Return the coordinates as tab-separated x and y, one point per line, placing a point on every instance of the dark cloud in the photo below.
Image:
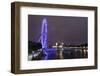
73	30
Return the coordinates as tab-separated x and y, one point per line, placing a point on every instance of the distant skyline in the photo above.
67	29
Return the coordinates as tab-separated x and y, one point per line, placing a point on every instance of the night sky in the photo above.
70	30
